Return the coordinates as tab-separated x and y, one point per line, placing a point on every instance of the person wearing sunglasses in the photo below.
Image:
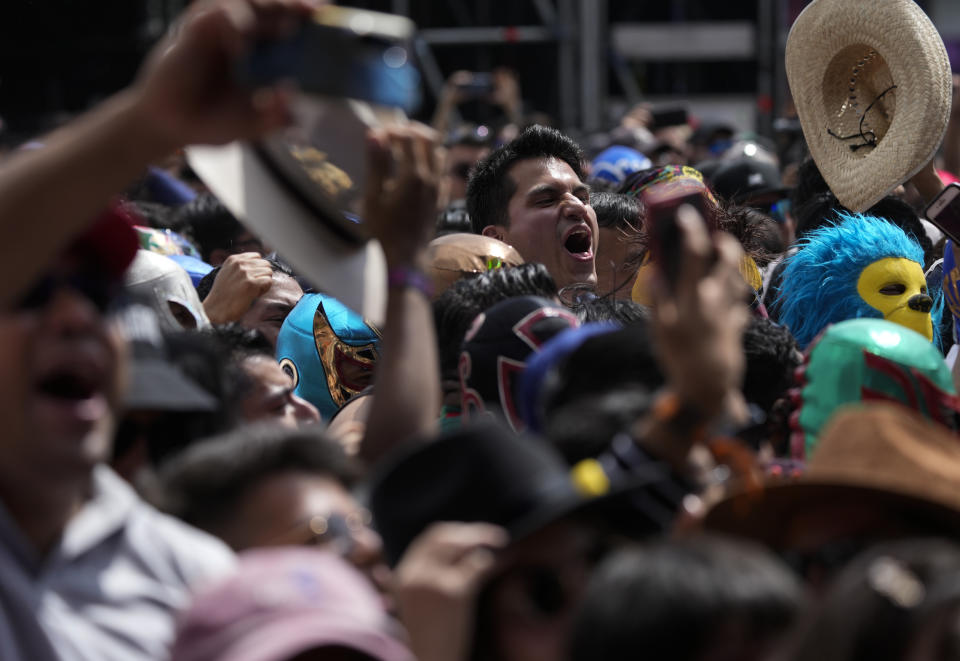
264	485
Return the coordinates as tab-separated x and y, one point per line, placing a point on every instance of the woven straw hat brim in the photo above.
900	32
883	455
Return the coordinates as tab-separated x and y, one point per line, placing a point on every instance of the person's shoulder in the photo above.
194	555
173	551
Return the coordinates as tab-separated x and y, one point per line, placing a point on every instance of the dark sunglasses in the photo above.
96	287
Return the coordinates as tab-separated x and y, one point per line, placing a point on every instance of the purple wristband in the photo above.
405	277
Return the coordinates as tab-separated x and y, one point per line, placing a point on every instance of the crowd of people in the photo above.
674	392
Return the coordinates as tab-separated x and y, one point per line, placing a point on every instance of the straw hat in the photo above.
882	455
872	86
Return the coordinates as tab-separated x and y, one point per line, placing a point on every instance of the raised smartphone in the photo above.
944	212
666	241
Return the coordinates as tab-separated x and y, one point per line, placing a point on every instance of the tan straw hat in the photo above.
883	456
871	82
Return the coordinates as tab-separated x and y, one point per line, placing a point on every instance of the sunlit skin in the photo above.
617	263
49	439
268	312
895	286
277	512
272	396
549	206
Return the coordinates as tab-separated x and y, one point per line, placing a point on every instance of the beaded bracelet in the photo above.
406	277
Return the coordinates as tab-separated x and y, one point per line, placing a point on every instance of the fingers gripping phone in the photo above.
666	239
944	212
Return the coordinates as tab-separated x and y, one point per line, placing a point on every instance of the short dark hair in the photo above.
206	483
673	599
208	223
772	357
206	282
607	308
241	342
815	205
616	211
490	187
861	615
457	307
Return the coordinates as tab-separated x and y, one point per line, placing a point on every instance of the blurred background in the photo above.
582	63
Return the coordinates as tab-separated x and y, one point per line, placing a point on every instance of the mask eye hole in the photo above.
290	369
893	290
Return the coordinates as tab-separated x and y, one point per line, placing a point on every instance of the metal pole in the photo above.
567	64
767	31
593	70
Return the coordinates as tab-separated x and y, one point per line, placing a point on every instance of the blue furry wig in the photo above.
820	280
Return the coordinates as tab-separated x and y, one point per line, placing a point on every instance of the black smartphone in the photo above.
344	53
664	117
354	72
666	240
480	85
944	212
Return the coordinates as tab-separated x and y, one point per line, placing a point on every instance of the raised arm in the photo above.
400	211
184	94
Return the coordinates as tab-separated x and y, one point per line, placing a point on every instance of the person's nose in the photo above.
366	549
574	207
304	411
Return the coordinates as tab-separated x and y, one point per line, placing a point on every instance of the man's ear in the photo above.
495	232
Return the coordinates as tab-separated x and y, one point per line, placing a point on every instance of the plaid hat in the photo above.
282	602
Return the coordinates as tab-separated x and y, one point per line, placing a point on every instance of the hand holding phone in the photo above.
944	212
662	203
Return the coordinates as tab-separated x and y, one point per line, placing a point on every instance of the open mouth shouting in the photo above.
578	242
72	392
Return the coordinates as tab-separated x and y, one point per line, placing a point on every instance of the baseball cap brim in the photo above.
158	386
288	636
354	273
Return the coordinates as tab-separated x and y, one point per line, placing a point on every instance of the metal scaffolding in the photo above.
577	27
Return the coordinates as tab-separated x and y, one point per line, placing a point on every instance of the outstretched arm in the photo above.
184	94
400	212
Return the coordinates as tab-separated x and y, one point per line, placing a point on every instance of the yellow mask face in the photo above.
889	285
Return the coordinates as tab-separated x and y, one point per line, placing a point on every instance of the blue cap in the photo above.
195	267
616	163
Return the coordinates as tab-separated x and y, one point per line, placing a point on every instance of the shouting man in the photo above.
530	194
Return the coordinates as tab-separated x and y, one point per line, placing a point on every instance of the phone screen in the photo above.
944	212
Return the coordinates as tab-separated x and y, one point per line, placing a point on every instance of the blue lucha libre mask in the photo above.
329	350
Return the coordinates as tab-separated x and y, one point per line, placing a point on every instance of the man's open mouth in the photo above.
68	385
73	392
579	243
